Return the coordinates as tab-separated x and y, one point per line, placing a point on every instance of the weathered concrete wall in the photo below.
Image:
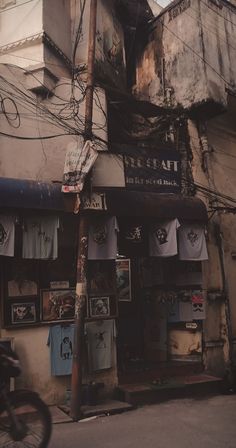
220	177
155	7
34	354
57	23
43	160
22	40
45	157
31	346
195	59
20	22
222	138
110	56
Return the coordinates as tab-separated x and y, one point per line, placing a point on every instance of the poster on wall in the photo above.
99	306
123	280
198	306
101	277
22	311
57	304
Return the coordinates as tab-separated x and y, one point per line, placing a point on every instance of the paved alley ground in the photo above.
187	423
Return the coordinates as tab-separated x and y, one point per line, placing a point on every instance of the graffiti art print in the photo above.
58	304
23	313
99	306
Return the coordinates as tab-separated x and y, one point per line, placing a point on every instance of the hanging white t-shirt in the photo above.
7	235
100	338
163	239
102	244
40	237
192	243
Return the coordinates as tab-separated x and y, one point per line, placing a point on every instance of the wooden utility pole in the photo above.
81	280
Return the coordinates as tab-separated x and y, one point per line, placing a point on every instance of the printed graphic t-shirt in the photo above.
102	244
192	243
100	337
40	237
132	240
7	235
163	239
60	341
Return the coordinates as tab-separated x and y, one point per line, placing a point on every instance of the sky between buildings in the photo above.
163	2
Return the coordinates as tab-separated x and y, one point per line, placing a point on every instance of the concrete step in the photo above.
105	407
148	373
175	387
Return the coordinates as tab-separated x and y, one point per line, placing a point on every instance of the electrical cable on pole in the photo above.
81	280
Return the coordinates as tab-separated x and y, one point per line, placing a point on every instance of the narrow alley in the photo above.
195	423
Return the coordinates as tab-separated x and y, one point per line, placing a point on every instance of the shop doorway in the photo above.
152	342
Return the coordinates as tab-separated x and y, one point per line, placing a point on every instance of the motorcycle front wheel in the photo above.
29	425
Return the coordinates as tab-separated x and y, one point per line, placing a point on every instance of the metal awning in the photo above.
29	194
155	205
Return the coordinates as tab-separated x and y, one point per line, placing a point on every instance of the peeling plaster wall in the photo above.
42	160
197	58
222	138
110	56
216	353
31	346
21	21
34	354
155	7
221	133
57	23
21	35
45	157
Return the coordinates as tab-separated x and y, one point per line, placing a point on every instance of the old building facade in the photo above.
196	38
163	115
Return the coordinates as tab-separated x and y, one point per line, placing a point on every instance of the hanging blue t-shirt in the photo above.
60	341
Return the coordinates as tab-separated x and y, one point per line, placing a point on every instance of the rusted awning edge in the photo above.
155	205
31	194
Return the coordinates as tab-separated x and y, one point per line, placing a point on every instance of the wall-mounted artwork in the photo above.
99	306
22	311
57	304
123	280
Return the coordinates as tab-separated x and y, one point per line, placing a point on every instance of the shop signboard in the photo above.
149	171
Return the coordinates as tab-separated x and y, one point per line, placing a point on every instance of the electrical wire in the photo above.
16	6
217	34
216	12
44	137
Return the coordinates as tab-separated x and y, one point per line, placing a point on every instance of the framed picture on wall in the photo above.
22	278
101	277
22	311
99	306
123	280
57	305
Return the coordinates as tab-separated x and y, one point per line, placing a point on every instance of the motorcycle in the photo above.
25	420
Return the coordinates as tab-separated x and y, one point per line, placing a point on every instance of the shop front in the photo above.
38	254
157	264
146	301
152	285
